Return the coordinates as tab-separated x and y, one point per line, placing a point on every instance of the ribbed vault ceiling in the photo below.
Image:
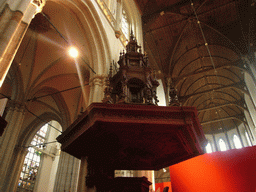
198	45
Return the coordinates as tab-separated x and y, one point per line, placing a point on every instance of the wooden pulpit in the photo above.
128	131
132	137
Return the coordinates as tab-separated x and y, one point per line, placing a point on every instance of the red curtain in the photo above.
230	171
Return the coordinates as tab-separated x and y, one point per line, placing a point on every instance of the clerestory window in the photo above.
208	148
222	145
237	142
125	24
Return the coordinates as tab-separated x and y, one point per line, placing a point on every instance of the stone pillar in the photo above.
67	173
13	173
9	138
118	25
251	66
226	135
15	16
215	143
97	85
239	135
250	121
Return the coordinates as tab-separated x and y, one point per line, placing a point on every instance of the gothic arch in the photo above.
89	21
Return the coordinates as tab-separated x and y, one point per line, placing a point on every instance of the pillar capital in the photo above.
16	105
97	84
98	80
39	4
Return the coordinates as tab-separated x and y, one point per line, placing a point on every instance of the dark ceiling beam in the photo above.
146	29
239	117
172	8
238	86
239	104
237	50
199	56
175	9
211	10
236	64
149	19
224	100
157	55
207	84
223	119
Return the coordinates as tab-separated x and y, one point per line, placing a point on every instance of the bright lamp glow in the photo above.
73	52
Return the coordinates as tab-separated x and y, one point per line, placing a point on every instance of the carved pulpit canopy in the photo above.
134	82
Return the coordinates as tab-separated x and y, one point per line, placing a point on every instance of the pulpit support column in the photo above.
83	176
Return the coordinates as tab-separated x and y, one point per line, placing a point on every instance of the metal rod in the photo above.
64	38
34	98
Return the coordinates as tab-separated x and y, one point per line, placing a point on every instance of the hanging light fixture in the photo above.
73	52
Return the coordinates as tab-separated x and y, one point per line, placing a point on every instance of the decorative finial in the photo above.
131	36
174	100
107	92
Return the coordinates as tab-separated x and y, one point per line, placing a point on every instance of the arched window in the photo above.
42	157
32	161
222	145
208	148
125	24
237	142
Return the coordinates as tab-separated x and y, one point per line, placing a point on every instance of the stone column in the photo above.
215	143
250	120
228	141
239	135
251	66
15	16
118	25
9	138
67	173
13	173
97	85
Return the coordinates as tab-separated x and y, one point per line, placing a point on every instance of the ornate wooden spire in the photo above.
134	82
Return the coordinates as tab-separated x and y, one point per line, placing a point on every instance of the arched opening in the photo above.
208	148
136	87
40	164
222	145
237	142
125	24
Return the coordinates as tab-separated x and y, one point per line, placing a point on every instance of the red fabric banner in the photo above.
229	171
